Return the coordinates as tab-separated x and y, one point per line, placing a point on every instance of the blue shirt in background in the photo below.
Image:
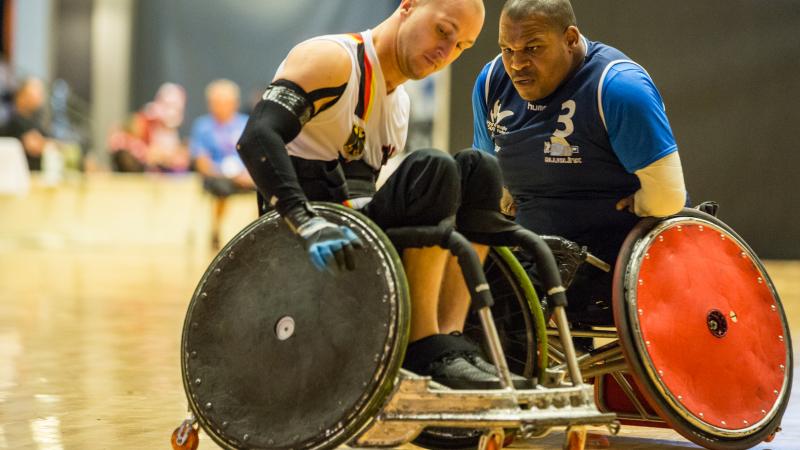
217	141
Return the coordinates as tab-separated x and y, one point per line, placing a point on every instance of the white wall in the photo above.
32	51
112	23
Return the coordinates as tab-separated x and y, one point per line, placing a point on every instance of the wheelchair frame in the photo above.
414	403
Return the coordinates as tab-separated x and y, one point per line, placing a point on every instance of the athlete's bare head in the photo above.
431	34
541	45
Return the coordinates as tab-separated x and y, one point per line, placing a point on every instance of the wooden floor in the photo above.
90	332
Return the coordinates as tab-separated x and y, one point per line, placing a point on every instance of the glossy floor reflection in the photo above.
89	341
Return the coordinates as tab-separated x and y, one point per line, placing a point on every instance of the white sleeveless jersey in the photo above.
366	123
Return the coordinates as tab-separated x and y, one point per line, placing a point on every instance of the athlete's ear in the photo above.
405	7
573	36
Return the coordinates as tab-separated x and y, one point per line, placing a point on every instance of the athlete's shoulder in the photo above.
603	53
304	63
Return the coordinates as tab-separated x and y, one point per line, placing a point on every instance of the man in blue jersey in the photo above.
582	137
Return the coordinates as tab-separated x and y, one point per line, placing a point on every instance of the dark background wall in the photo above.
73	45
193	42
728	73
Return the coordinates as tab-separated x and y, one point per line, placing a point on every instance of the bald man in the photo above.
582	137
337	106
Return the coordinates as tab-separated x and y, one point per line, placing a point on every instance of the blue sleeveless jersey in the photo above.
568	158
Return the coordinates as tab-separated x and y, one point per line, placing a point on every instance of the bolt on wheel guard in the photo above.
703	330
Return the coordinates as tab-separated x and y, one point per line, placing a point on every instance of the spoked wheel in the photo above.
278	355
520	331
703	330
517	314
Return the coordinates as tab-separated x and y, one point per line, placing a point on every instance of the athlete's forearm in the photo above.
663	191
275	121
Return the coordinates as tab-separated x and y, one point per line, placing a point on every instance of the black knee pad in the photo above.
481	180
434	169
424	190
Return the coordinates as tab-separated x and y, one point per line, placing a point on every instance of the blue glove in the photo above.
324	240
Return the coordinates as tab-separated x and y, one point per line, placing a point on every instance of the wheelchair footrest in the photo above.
417	403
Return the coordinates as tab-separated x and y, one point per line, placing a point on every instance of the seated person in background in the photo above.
25	122
150	141
213	149
582	137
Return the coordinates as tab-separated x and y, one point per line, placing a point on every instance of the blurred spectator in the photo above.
7	88
149	141
25	122
213	148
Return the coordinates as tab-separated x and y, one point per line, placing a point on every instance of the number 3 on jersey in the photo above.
568	111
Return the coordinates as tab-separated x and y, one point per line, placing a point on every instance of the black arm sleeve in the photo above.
276	120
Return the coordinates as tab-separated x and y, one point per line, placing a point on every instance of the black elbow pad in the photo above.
276	120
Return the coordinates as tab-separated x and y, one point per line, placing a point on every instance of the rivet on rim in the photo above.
641	311
723	422
783	368
204	295
780	338
198	381
209	405
773	308
760	280
661	239
701	414
641	282
647	256
647	342
701	228
680	228
722	236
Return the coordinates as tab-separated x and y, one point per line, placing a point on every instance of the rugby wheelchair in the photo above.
699	341
275	355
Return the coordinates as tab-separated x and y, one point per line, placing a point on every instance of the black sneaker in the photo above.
519	381
456	372
442	357
473	355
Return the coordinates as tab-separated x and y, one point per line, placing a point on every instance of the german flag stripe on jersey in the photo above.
366	85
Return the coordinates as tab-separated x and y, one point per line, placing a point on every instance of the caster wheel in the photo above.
492	440
575	439
185	438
